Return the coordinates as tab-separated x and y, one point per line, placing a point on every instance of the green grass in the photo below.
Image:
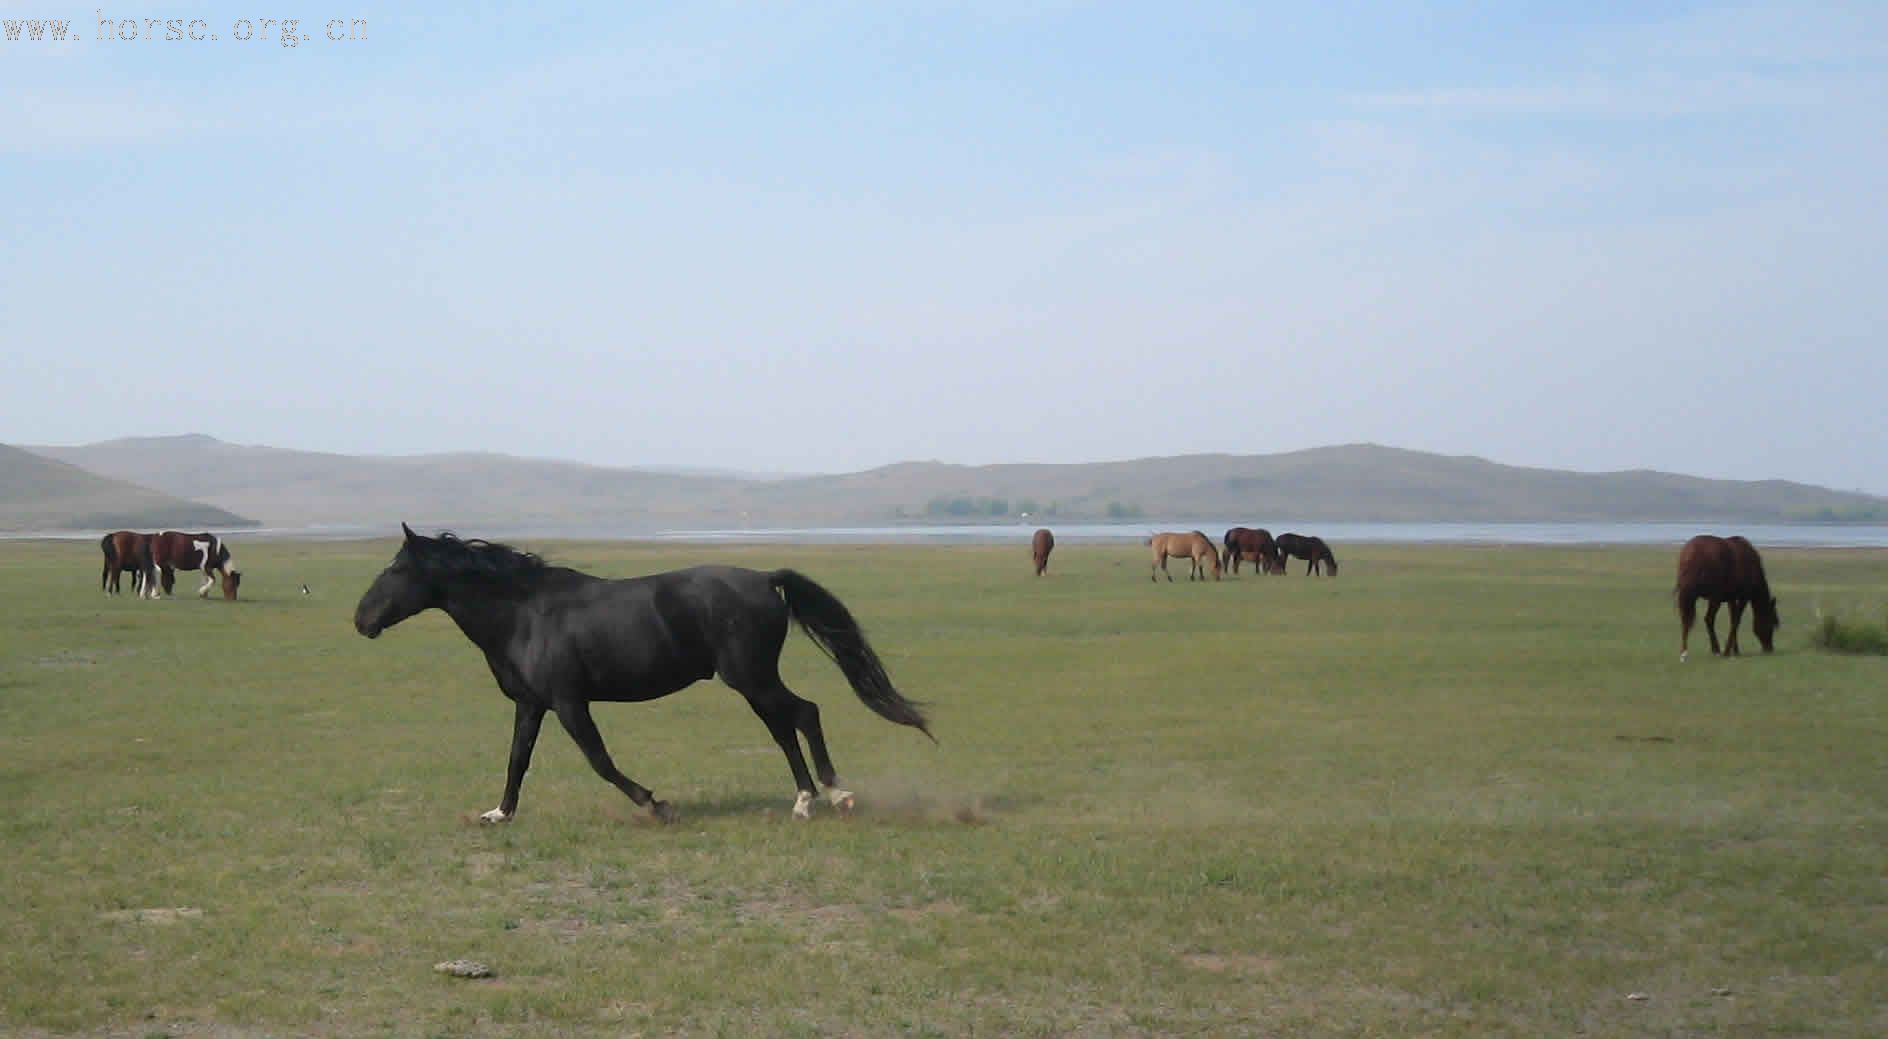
1455	792
1844	635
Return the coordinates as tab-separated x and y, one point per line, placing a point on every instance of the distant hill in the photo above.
1360	482
38	493
297	488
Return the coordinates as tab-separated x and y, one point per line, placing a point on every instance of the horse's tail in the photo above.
108	545
830	625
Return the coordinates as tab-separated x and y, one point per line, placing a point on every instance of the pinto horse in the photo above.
1192	546
558	640
172	551
1720	570
1040	546
125	551
1254	546
1311	549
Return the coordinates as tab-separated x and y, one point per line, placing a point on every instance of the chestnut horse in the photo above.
1253	546
172	551
1312	549
1193	546
1040	546
125	550
1720	570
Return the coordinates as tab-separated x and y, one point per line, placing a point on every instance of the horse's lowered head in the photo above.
1764	621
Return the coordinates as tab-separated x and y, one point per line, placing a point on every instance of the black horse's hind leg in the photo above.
575	714
1737	617
1711	625
787	717
778	709
524	736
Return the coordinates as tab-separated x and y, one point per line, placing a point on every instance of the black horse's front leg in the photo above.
524	736
575	714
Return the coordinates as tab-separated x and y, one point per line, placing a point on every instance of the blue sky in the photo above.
821	237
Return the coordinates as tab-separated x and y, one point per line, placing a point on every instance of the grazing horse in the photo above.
1255	546
124	550
1720	570
172	551
1193	546
1040	546
558	640
1313	550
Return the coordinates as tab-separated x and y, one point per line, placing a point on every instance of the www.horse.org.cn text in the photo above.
284	32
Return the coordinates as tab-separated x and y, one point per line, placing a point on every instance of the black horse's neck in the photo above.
487	611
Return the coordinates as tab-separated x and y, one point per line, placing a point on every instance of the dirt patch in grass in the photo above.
1217	963
167	915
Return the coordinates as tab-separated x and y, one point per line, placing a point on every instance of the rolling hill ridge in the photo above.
38	493
1359	482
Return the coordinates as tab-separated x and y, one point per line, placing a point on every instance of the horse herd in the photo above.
1253	545
558	640
1721	571
153	560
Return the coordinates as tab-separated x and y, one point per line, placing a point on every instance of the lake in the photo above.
1799	535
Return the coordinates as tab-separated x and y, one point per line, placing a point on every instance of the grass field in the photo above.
1458	791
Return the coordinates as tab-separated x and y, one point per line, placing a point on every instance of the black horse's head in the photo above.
1765	622
402	589
424	569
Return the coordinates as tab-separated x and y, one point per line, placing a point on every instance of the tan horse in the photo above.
1192	546
1039	548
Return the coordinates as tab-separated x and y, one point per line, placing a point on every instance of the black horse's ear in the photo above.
408	531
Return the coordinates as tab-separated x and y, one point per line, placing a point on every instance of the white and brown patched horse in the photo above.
172	551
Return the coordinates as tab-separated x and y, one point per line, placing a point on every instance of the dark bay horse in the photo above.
1253	545
1040	546
125	551
1720	570
558	640
1193	546
172	551
1311	549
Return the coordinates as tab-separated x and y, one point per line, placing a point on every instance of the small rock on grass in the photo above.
464	969
1637	997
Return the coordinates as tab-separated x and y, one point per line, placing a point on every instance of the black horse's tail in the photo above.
830	625
107	545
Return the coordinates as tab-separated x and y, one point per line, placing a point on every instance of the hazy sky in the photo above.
821	237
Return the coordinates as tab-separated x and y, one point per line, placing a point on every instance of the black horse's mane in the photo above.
449	555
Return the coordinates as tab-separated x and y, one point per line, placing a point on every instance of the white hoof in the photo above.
803	806
496	815
1683	656
841	799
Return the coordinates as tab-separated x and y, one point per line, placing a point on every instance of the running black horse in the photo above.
1311	549
557	640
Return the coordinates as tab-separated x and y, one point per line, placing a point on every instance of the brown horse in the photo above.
1253	546
124	550
1192	546
1040	546
1311	549
172	551
1720	570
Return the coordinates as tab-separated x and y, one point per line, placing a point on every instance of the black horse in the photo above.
1311	549
557	639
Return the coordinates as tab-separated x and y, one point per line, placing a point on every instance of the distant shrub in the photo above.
1850	636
